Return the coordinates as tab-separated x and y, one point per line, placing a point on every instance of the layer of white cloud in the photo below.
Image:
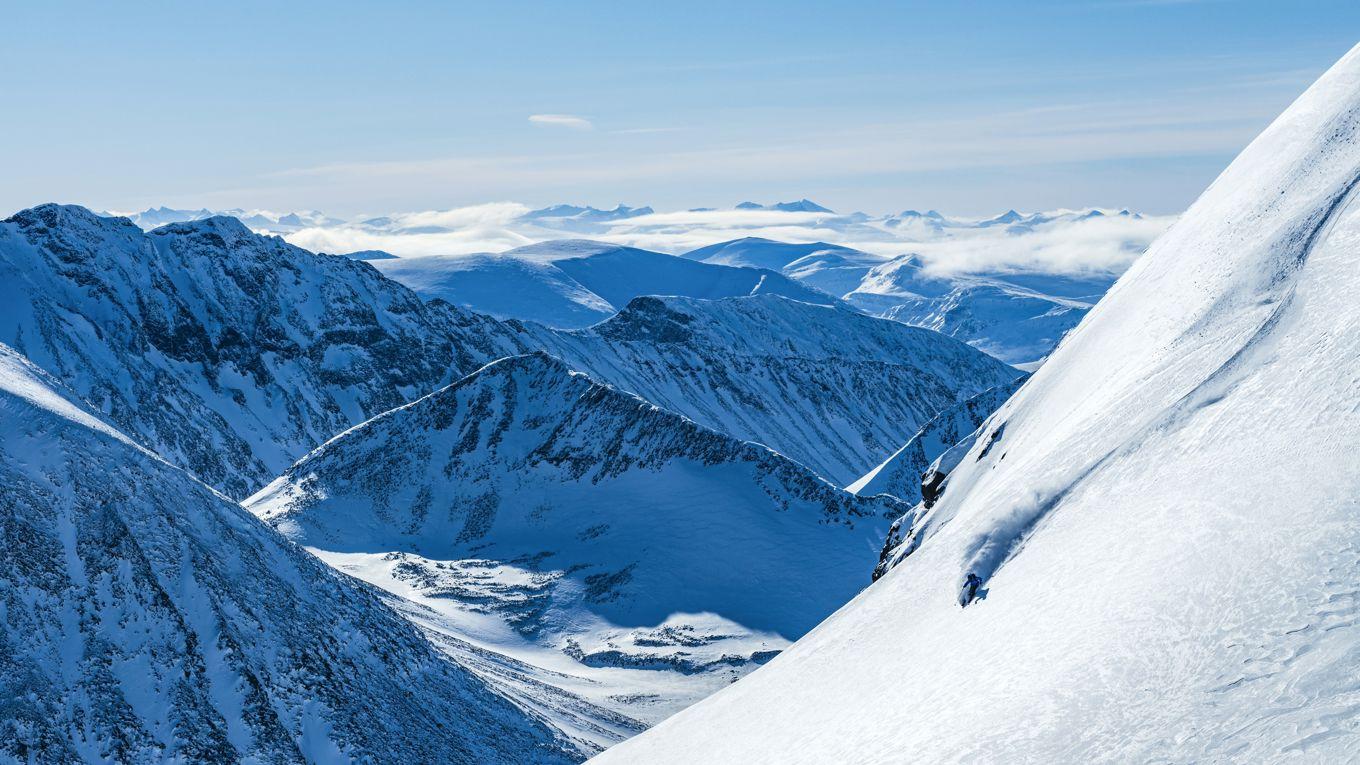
1070	243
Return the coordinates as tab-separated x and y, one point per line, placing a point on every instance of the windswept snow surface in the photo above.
630	558
146	618
1164	523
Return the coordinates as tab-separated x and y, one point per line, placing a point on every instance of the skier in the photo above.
971	583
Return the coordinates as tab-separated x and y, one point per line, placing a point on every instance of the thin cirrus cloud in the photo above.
569	121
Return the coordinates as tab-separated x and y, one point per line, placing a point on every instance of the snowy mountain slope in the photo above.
1018	317
623	273
573	283
831	268
1016	326
1156	539
901	474
758	252
631	555
503	287
228	353
149	619
828	387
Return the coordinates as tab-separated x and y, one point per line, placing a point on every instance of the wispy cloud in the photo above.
562	120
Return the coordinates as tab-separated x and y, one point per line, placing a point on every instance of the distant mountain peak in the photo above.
586	213
802	205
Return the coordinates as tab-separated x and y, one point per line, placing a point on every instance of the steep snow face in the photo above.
573	283
826	386
228	353
901	474
147	618
1156	539
635	556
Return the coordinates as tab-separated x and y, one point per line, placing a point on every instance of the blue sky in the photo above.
969	107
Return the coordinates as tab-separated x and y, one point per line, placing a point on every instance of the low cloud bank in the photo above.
1062	241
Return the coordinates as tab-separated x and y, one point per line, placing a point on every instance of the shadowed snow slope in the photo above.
1161	529
827	386
147	618
229	353
547	515
900	475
